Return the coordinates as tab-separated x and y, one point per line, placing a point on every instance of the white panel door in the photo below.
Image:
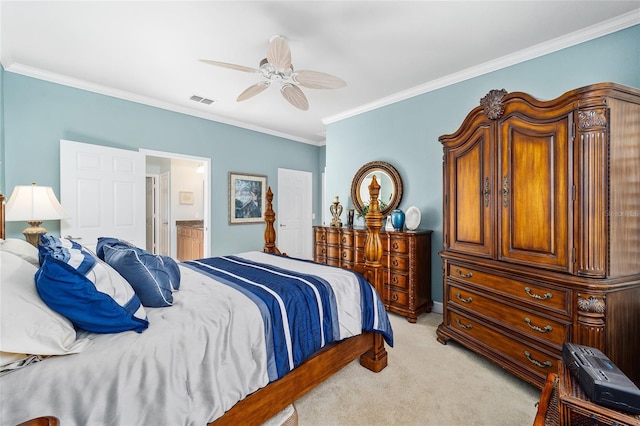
103	189
164	240
294	214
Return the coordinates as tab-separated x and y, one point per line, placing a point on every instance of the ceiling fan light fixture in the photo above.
277	67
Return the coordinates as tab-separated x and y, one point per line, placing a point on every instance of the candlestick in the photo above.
336	211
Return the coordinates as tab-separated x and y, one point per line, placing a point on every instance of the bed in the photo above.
251	384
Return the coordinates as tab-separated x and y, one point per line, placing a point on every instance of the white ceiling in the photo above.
385	50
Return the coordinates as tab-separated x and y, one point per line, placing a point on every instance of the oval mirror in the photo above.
390	187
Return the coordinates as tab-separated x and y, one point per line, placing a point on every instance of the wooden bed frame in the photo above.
263	404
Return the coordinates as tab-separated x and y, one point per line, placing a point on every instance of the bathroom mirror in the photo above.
390	187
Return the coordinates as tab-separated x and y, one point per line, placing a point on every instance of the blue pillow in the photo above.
153	277
92	295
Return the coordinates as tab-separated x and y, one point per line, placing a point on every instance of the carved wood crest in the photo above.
592	118
492	103
591	304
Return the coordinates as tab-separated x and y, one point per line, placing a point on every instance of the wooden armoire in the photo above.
541	224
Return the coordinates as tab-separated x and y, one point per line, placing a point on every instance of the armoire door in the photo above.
470	199
535	184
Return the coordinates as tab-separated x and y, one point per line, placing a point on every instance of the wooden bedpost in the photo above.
376	358
270	231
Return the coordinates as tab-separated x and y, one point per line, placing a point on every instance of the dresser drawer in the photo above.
321	250
518	352
333	237
556	299
339	253
321	236
397	297
397	245
344	239
397	280
539	327
346	255
400	263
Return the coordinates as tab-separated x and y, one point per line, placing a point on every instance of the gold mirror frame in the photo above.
390	186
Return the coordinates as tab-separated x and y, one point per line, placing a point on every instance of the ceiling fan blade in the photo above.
279	54
251	91
318	80
231	66
294	95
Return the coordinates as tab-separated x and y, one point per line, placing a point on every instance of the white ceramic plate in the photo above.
412	218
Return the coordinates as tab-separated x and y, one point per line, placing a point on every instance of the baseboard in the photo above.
437	307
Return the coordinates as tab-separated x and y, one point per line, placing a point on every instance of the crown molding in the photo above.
598	30
145	100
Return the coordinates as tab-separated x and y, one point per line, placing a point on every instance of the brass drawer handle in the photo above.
538	363
344	254
465	326
344	240
546	329
394	279
505	191
394	262
535	296
394	296
486	192
460	298
461	275
395	245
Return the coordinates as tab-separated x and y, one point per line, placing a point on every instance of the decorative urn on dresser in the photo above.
397	219
541	229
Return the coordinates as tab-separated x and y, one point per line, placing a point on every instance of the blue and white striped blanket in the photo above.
233	327
301	310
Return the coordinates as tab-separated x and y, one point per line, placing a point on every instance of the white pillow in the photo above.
28	325
21	248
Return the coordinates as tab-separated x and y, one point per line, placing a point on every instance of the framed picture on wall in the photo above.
247	198
186	197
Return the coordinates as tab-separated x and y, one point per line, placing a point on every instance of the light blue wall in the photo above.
37	114
406	133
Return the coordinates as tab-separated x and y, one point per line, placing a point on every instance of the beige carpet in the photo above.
425	383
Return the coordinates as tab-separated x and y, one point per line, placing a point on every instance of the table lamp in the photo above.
34	204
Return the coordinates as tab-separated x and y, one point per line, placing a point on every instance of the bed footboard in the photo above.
263	404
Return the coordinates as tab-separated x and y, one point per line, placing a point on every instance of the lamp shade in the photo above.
34	203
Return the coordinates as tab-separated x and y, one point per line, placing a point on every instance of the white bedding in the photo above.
194	362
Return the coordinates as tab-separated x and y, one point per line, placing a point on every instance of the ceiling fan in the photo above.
277	67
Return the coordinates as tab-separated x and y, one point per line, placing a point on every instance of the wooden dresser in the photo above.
541	229
190	239
406	264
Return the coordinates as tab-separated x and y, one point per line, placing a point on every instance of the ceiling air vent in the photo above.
201	100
